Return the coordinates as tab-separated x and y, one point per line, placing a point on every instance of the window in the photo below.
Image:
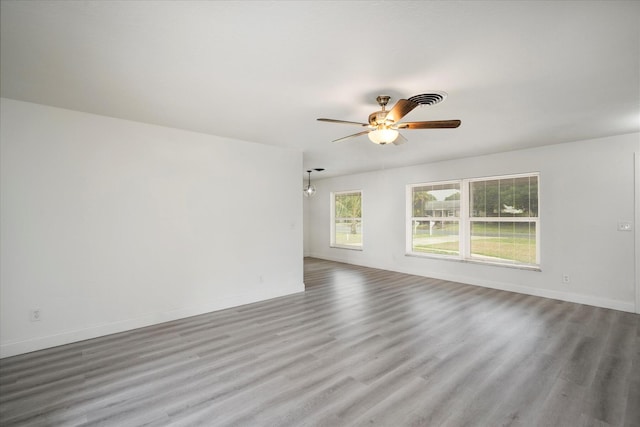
503	219
492	220
346	221
435	221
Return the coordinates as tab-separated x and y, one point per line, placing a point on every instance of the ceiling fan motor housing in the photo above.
383	100
378	118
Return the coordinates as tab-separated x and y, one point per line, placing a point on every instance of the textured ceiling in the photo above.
518	74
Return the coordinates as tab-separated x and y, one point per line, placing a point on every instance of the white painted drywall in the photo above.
307	225
108	225
586	188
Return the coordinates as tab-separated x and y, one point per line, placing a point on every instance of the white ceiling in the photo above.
518	74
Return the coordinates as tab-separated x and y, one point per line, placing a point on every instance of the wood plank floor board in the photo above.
635	365
210	391
86	397
296	403
347	360
607	395
347	409
295	390
197	391
488	392
398	407
621	340
632	410
360	346
453	394
189	412
315	404
526	391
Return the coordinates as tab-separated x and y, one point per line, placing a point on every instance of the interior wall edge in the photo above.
637	227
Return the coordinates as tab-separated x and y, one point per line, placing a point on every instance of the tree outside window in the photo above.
347	220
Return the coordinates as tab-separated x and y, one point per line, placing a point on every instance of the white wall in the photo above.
586	188
108	225
307	224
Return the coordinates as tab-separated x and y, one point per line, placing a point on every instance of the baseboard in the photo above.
527	290
547	293
26	346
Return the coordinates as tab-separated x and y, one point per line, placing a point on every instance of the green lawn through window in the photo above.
488	241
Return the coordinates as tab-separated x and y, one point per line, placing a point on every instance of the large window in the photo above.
346	221
493	220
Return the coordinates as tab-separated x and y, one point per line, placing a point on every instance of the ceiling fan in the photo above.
384	124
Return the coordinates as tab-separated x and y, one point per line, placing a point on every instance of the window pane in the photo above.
533	196
436	237
348	232
348	205
504	241
485	198
515	197
509	197
439	200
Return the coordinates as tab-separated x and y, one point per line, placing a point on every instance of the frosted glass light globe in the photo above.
383	136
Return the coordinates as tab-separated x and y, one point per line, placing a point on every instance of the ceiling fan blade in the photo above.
343	122
436	124
401	109
351	136
400	140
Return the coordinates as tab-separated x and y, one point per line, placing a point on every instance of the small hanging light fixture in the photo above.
310	190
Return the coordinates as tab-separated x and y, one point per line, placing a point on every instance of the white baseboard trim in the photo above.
39	343
527	290
547	293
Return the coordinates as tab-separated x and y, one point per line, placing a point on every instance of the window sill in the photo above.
477	262
350	248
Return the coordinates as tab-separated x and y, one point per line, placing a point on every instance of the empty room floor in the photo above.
360	346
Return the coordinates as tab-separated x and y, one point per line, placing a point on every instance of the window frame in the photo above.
411	218
465	221
332	237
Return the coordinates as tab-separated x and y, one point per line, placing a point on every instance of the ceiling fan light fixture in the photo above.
383	136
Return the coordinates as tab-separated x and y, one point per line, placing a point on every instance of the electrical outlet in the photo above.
566	278
625	226
35	315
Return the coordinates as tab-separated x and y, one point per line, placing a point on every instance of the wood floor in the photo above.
359	347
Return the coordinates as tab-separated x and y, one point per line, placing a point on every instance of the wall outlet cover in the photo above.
35	315
625	226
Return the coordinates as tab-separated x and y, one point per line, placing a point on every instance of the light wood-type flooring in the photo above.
360	347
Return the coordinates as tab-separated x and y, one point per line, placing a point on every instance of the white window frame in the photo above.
332	237
411	218
465	219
